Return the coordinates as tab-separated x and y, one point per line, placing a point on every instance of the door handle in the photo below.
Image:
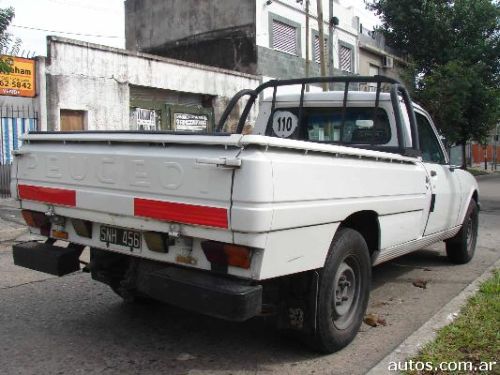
433	173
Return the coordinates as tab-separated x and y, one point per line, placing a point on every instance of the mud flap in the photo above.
299	313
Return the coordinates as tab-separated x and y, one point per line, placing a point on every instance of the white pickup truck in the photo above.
287	220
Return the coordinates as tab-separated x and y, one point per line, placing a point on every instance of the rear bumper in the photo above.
198	291
204	293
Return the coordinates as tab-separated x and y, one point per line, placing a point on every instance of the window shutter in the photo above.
345	58
284	37
316	49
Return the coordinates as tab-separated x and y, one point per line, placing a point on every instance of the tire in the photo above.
460	249
344	289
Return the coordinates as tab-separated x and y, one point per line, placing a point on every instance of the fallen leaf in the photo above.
371	320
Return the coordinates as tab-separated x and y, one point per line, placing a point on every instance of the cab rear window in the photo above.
361	126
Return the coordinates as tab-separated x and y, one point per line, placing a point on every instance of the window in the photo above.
284	37
429	144
316	48
325	125
346	58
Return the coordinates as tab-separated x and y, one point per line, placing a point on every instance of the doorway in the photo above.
72	120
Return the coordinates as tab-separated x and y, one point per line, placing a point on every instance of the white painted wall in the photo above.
293	11
96	79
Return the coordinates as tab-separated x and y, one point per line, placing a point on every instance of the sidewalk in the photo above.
11	223
411	346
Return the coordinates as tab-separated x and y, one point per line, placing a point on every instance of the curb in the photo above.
427	332
488	176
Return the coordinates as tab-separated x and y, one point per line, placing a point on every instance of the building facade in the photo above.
262	37
375	57
94	87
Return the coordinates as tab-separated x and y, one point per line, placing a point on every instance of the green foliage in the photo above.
8	45
454	52
474	336
462	104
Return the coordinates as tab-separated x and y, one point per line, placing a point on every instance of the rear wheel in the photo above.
461	248
344	289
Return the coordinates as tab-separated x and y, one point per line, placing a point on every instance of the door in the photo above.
442	182
72	120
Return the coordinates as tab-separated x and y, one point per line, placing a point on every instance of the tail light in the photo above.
36	219
158	242
60	234
82	227
224	254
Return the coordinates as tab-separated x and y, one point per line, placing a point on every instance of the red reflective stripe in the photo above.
63	197
181	212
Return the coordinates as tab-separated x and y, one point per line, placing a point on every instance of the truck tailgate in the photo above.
185	179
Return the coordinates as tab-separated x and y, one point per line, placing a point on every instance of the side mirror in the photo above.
452	167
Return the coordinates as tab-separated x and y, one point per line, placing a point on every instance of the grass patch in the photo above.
473	337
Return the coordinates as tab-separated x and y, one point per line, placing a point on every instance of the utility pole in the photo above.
331	27
321	42
495	154
307	42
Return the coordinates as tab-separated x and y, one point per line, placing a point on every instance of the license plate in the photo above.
120	236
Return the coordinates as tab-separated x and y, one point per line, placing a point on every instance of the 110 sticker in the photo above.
284	123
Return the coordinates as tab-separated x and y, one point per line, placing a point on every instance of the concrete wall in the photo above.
152	23
230	33
96	79
281	65
372	52
218	33
368	58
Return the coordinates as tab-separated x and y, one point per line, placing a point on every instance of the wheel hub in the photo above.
345	285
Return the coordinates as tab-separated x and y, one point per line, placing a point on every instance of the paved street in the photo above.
74	325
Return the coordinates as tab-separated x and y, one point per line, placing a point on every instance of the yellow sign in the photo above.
20	81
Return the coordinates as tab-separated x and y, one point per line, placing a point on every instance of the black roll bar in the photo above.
397	89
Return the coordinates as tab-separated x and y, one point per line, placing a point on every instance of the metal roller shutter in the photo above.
345	59
284	37
140	93
316	48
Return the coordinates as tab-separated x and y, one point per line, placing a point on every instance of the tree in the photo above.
454	52
8	45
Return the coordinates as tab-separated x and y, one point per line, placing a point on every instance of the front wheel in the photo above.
344	289
461	248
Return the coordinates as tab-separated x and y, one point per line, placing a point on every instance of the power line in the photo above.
67	32
84	5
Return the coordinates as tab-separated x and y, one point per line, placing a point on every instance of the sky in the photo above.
368	19
96	21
